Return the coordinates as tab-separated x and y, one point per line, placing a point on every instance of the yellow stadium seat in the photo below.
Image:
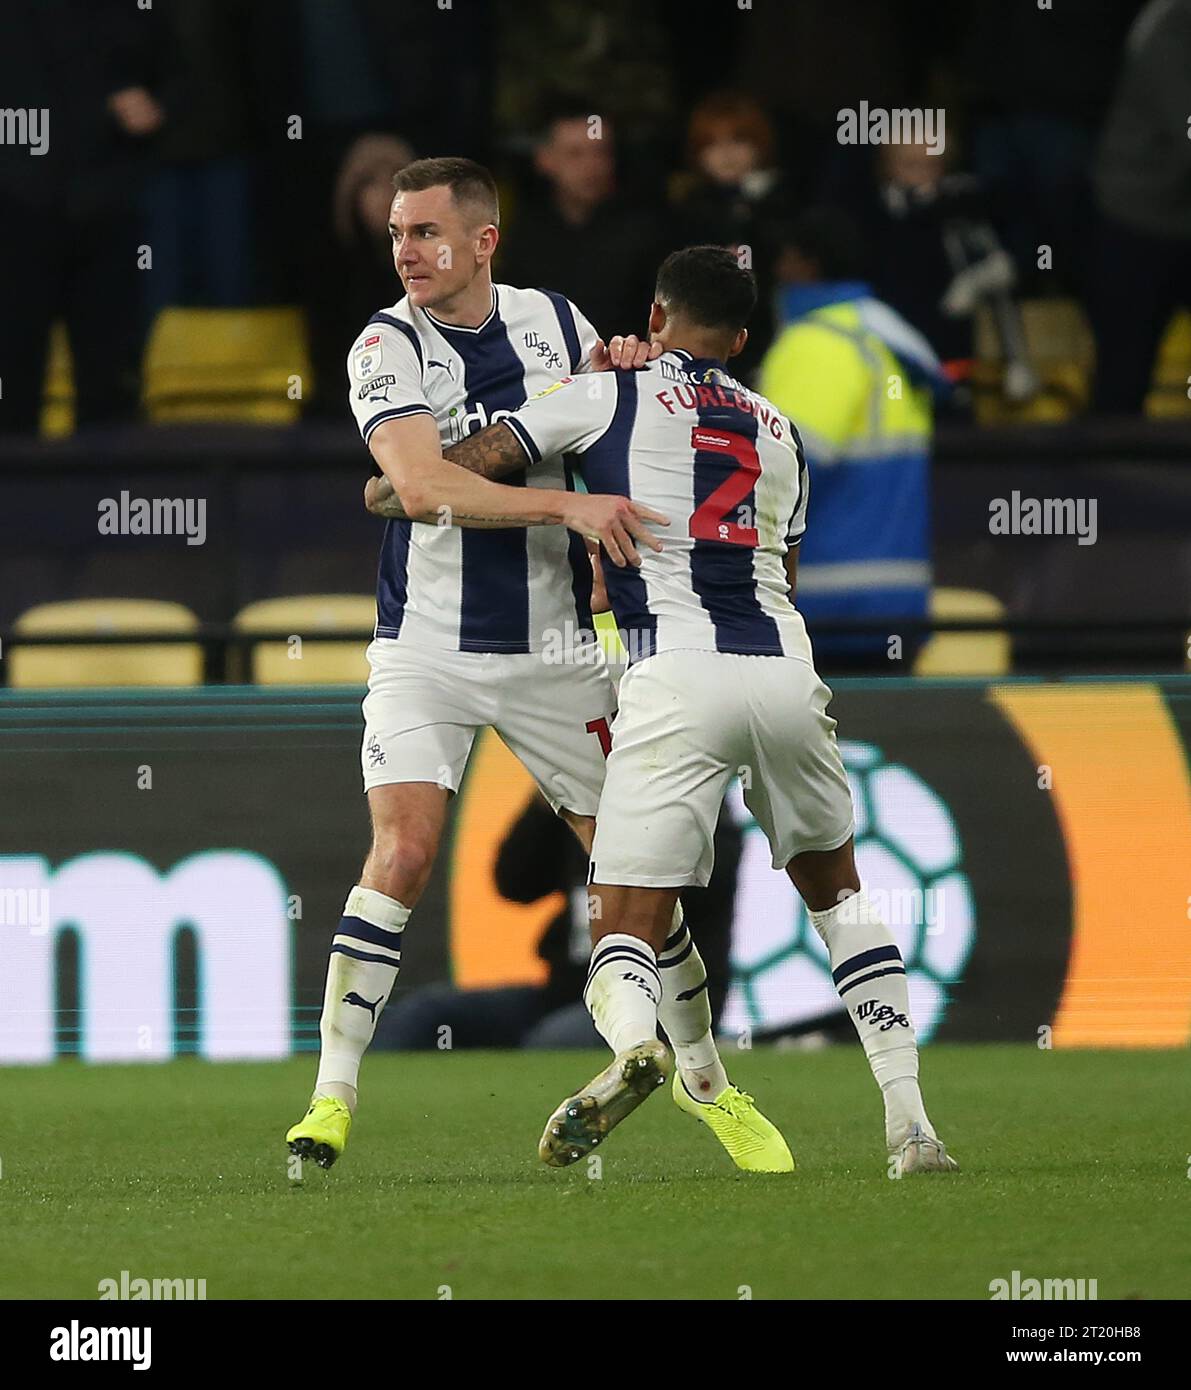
1168	398
142	663
964	653
250	366
57	406
307	657
1063	354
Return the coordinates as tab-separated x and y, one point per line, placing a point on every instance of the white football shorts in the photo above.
424	708
689	722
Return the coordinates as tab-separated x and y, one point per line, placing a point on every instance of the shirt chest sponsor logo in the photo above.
461	422
367	356
377	389
544	349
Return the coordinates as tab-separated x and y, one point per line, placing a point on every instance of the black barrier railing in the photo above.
1039	646
316	444
283	514
222	634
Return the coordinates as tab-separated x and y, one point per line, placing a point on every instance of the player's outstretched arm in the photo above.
431	489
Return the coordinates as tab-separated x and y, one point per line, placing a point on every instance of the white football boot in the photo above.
919	1153
584	1119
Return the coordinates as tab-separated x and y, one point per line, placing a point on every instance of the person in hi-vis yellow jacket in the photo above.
858	383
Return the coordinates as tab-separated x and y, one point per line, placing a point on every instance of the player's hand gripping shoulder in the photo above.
628	352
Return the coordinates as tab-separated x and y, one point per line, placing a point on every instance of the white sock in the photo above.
685	1013
623	989
365	958
871	979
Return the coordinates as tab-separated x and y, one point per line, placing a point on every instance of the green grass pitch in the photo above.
1075	1165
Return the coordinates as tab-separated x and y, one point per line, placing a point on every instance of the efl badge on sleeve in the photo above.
367	355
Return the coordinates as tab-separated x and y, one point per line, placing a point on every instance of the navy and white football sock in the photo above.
685	1013
870	976
622	991
365	958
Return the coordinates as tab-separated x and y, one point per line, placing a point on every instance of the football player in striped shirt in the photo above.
721	684
477	579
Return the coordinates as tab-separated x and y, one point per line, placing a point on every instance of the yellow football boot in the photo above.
752	1141
322	1133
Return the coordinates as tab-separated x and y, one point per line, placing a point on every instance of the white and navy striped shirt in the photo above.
475	590
685	438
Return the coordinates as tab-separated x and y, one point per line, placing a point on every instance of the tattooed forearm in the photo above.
493	452
381	500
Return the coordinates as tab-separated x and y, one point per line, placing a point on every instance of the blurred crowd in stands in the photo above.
237	153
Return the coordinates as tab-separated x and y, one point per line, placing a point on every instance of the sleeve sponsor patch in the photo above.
378	383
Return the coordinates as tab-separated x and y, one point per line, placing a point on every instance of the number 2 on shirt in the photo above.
709	521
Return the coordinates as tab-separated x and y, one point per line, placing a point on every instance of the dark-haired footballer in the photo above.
721	684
